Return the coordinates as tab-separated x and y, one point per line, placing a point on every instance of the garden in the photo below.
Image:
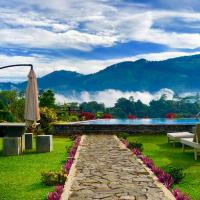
182	166
34	175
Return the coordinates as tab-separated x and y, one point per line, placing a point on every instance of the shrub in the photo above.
107	116
48	115
56	195
73	118
165	178
88	116
53	178
123	135
170	115
6	116
131	117
179	195
176	173
135	145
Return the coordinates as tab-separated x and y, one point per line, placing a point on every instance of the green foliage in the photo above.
92	107
53	178
99	114
2	105
73	118
47	99
11	106
6	116
135	144
48	116
176	173
123	135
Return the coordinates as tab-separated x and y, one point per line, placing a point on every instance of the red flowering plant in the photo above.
107	116
131	117
170	116
88	116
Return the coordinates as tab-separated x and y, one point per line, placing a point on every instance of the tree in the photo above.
12	106
141	110
47	99
124	107
2	105
92	106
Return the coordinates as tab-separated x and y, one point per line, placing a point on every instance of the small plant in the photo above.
166	179
176	173
107	116
136	145
136	152
147	161
53	178
56	195
179	195
123	135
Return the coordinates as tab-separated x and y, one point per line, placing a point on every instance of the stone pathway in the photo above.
106	170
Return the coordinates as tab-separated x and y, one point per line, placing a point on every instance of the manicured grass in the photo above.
164	155
20	175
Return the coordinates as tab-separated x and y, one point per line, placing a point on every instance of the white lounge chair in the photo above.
175	137
193	142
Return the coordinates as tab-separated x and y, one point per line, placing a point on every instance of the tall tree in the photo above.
47	99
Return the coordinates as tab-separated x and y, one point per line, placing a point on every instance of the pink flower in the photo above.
56	195
180	196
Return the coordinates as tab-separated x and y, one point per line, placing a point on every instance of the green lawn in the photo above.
164	155
20	175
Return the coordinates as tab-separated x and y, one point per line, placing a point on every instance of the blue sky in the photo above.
87	36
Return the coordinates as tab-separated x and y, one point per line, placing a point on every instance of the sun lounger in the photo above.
175	137
191	143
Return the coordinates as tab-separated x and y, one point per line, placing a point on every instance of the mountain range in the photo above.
180	74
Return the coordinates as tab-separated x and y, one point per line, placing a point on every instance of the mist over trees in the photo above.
12	107
181	107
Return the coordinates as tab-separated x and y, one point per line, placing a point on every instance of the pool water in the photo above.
150	121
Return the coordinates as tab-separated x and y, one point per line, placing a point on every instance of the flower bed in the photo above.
163	177
56	195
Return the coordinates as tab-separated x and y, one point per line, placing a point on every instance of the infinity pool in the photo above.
155	121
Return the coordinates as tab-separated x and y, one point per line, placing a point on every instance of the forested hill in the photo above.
180	74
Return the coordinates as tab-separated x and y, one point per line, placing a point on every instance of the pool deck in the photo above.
105	169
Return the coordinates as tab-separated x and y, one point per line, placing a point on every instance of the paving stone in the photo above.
107	171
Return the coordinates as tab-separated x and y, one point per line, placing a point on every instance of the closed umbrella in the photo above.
32	113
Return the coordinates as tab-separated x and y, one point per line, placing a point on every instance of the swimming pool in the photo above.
150	121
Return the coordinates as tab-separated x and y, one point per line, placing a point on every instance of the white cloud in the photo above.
109	97
86	24
40	38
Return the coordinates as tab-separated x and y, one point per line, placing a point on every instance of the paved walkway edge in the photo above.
167	193
72	173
